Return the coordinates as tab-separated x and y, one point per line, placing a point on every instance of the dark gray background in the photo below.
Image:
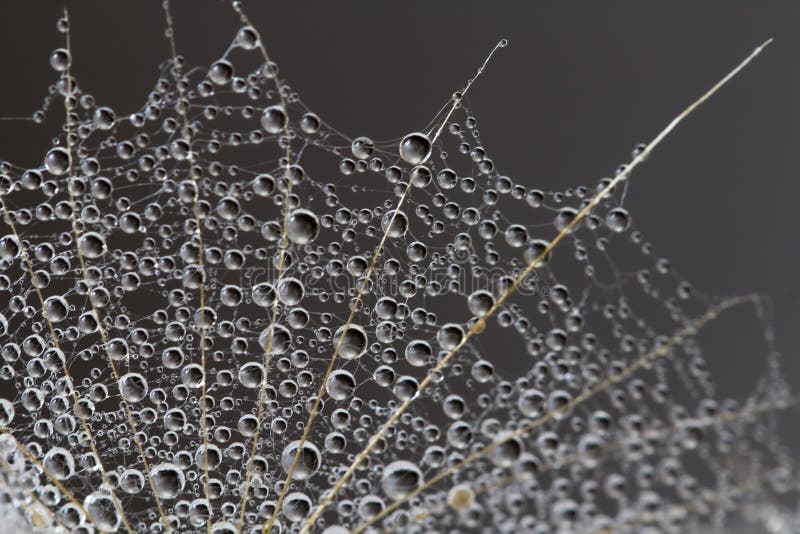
580	84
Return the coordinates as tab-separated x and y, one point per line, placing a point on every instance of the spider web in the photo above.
224	315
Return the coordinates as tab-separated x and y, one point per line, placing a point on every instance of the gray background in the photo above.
580	84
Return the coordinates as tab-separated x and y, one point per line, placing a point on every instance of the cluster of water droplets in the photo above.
210	247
